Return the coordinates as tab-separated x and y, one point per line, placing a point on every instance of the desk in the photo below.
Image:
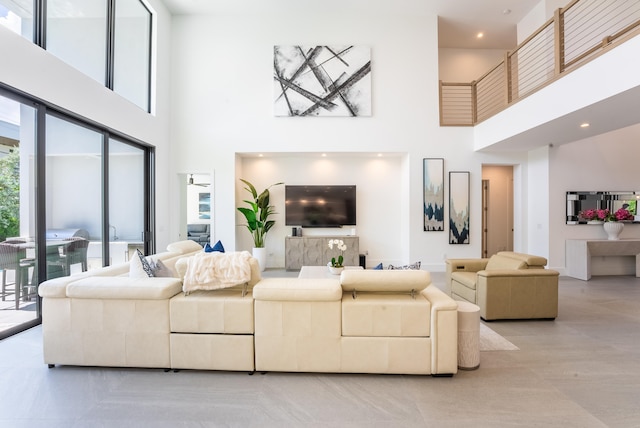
586	257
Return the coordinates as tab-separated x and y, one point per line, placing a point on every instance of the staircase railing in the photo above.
577	33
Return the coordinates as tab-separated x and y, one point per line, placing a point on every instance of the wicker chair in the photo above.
72	253
12	257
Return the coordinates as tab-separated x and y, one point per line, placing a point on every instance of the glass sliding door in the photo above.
126	200
18	266
74	195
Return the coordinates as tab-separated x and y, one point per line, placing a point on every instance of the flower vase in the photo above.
336	270
613	229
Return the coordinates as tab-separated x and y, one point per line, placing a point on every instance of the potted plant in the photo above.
336	265
257	216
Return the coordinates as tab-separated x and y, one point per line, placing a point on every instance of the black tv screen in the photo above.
320	206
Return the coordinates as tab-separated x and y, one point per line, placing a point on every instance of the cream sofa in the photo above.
365	322
368	321
508	285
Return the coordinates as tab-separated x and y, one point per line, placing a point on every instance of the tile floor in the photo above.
581	370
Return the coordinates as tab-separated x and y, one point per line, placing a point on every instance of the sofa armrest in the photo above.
517	273
444	331
463	265
518	294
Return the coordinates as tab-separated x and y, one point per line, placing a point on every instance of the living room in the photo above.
213	113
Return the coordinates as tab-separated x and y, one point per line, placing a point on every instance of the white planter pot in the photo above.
335	270
261	255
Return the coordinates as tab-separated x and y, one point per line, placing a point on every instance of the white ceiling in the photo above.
459	20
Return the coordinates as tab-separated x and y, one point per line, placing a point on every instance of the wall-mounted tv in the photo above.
320	206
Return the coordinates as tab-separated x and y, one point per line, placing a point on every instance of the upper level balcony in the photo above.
580	65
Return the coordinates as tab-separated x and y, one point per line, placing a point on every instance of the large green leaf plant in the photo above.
258	213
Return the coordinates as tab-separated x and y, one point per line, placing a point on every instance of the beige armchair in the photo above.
507	285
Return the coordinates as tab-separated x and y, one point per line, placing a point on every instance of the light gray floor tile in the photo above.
581	370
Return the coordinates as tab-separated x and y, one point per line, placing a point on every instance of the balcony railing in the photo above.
575	35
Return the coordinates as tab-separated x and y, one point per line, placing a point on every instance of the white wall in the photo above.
467	65
608	162
223	105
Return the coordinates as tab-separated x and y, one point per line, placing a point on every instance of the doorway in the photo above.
497	209
196	206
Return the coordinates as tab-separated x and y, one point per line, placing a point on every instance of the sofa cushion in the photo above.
298	289
221	311
385	315
184	247
468	279
502	262
397	281
532	262
124	288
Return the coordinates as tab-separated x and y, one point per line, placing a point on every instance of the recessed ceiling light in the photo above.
324	155
480	35
506	11
585	125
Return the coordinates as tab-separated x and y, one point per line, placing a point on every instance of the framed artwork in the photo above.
204	206
322	80
458	207
433	194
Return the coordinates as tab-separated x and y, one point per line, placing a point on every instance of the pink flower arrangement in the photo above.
605	215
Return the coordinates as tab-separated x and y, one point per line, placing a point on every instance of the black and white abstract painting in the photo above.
458	207
433	191
322	80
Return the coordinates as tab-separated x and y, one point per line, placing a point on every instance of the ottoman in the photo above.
468	336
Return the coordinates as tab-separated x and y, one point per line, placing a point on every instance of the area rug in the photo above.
492	341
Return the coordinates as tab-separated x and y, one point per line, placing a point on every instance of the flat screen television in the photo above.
320	206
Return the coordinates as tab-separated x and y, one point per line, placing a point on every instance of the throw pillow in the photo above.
146	266
157	268
137	268
217	247
413	266
378	267
160	270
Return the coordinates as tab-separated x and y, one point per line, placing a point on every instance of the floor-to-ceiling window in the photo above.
132	52
108	40
18	263
74	196
126	200
66	19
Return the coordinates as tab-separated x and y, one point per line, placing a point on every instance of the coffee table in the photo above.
320	272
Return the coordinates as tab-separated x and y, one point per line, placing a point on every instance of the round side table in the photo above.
468	336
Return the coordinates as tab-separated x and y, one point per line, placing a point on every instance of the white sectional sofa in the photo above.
360	322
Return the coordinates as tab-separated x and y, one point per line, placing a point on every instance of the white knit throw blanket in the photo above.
212	271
